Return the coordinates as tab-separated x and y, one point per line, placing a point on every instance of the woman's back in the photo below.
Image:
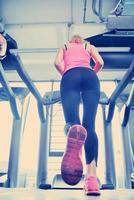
76	55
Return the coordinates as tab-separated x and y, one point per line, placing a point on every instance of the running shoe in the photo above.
91	186
71	165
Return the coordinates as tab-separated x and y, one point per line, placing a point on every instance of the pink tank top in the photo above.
76	56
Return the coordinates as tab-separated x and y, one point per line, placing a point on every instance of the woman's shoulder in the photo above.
86	45
68	45
65	46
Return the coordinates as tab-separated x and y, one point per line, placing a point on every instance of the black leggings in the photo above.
82	84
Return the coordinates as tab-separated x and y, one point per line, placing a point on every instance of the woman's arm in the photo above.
3	46
59	62
96	57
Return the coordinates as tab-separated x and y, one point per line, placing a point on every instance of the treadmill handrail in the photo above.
130	100
123	83
9	93
27	80
127	107
120	87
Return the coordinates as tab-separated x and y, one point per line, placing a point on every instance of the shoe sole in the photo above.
71	165
93	193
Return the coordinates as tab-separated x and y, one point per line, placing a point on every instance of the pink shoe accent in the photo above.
91	186
71	165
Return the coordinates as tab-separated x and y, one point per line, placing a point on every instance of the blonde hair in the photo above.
76	39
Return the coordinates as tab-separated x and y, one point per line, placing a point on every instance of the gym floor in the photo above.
37	194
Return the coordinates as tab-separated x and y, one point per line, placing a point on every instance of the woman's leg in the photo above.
90	96
91	144
70	97
71	165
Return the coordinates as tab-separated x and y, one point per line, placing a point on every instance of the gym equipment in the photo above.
12	94
13	62
126	138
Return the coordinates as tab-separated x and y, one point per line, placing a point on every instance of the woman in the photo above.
79	81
